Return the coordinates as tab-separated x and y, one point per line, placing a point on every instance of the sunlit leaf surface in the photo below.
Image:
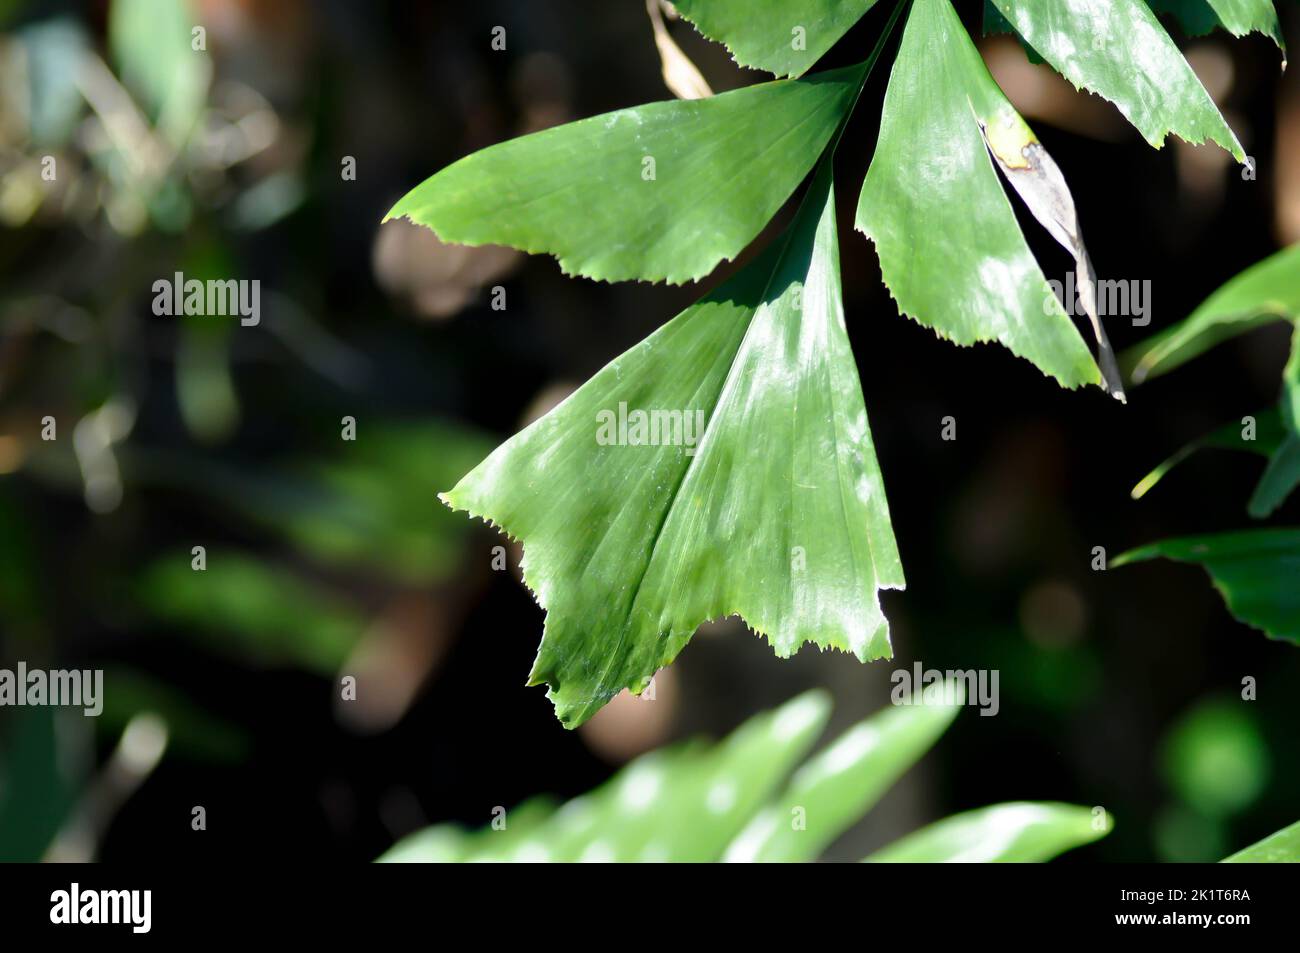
680	804
950	248
686	803
1119	50
1280	848
723	466
664	191
1019	832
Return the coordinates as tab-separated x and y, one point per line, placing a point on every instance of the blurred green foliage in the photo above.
162	166
36	792
1215	758
1216	763
264	613
697	802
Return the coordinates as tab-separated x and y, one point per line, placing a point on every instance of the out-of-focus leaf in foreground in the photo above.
785	37
443	844
950	248
1018	832
663	191
1266	292
685	803
723	466
681	804
829	793
1119	50
1282	847
1255	571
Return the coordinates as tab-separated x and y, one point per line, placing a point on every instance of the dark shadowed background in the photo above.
329	557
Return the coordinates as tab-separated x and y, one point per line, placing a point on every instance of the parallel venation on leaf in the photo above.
1238	17
661	192
1119	50
950	247
776	514
785	37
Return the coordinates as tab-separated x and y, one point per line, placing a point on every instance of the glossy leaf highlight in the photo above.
761	498
843	782
950	247
1119	50
1019	832
684	803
